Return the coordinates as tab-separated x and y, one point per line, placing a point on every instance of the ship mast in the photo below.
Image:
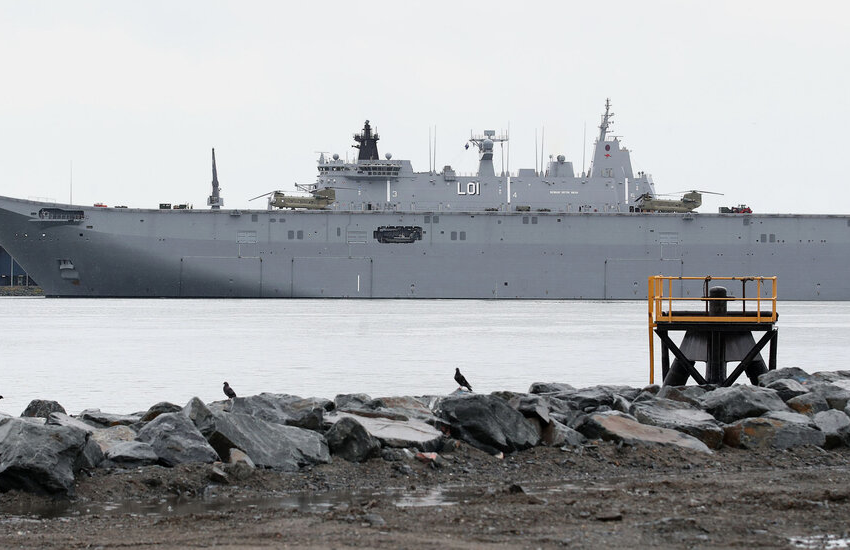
214	201
606	120
367	142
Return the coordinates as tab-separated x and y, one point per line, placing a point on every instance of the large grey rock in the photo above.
593	398
760	433
790	373
176	440
348	439
409	407
620	427
532	406
835	426
831	376
107	438
393	432
550	387
268	444
686	394
158	409
791	417
200	415
680	416
559	435
131	454
290	410
351	400
104	420
41	408
62	419
787	388
488	423
835	395
736	402
40	458
808	404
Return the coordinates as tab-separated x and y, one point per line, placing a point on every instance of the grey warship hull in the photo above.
374	228
485	255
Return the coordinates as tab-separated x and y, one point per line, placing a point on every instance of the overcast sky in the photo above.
746	98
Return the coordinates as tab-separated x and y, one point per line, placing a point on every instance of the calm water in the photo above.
125	355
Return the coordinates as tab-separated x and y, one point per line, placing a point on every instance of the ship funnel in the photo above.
214	201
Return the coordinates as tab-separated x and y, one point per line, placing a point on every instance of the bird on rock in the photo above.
228	391
459	378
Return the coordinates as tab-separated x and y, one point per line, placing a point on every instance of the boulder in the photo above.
107	438
808	404
40	458
830	376
268	444
790	417
488	423
835	395
131	454
158	409
685	394
409	407
104	420
761	433
348	439
791	373
200	415
91	457
41	408
679	416
787	388
625	429
550	387
351	400
532	406
62	419
176	440
395	432
835	426
239	457
289	410
593	398
559	435
736	402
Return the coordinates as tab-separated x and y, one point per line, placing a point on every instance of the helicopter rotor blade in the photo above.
259	196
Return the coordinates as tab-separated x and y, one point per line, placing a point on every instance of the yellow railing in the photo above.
660	295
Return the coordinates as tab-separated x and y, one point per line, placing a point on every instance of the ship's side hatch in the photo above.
331	277
396	234
220	277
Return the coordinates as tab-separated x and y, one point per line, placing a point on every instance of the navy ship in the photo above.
374	228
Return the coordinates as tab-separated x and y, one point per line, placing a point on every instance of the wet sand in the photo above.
596	496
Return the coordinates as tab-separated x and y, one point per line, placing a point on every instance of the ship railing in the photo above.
670	297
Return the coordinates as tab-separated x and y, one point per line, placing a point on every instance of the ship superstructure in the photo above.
375	228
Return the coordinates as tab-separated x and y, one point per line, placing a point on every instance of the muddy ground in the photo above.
593	497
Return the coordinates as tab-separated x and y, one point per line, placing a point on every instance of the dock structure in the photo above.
718	332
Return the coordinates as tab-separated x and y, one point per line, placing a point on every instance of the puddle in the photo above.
820	541
305	502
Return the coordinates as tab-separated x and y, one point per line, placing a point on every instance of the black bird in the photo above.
228	391
461	380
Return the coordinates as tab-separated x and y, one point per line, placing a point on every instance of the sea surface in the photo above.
126	355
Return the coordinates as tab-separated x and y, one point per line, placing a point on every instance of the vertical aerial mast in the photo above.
214	201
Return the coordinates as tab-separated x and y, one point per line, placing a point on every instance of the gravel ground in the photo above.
603	495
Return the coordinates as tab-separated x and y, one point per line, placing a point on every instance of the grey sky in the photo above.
748	98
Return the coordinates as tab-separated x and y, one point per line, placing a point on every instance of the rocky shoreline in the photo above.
530	455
